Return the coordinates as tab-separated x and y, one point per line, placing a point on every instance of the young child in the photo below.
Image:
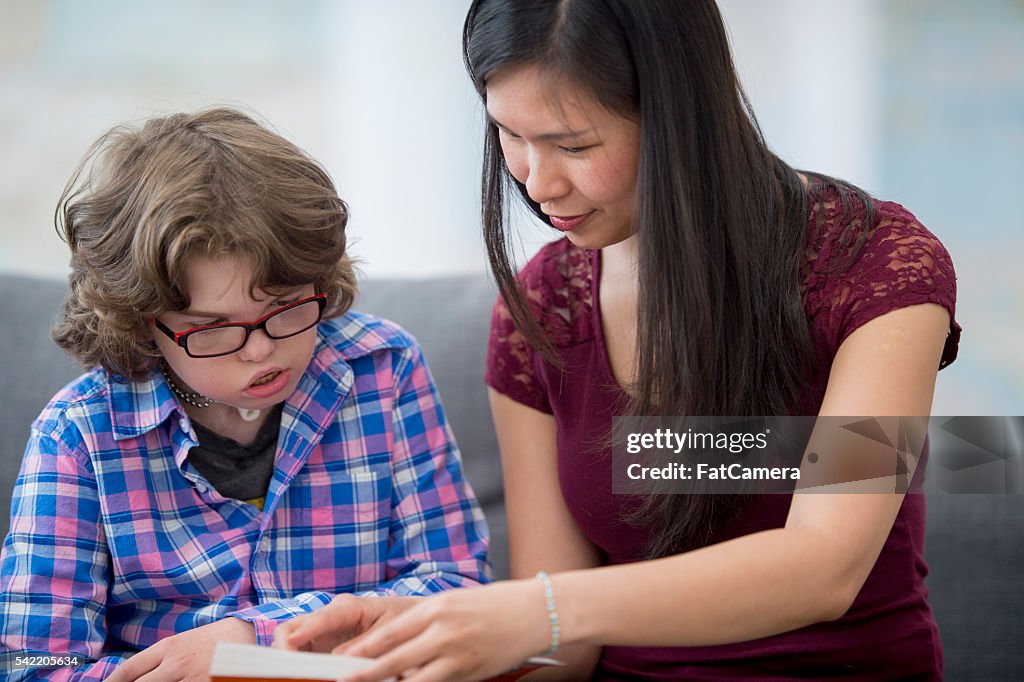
242	448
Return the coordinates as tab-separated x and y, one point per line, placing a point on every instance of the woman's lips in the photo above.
275	385
567	223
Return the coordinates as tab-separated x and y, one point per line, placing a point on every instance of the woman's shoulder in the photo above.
845	224
872	245
867	256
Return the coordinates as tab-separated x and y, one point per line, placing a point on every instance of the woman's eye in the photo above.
574	150
282	304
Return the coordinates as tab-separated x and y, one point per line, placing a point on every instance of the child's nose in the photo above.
257	347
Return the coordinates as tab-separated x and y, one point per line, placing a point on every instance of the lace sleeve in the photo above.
510	368
901	264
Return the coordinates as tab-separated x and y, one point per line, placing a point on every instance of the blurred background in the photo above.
919	101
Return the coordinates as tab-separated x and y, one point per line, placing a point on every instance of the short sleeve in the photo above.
510	362
899	265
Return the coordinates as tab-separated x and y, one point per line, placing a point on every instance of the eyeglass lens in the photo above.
229	338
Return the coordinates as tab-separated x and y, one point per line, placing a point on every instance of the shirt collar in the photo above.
140	406
137	407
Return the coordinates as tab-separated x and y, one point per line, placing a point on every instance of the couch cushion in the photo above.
450	317
975	551
33	369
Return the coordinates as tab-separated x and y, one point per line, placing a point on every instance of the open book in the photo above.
251	663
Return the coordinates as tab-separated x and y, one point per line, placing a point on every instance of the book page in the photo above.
251	663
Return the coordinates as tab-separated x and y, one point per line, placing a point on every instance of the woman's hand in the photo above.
346	617
465	634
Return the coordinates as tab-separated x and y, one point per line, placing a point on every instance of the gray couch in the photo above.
975	544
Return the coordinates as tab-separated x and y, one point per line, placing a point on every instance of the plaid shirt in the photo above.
116	541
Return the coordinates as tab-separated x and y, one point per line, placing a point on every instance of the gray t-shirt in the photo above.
240	472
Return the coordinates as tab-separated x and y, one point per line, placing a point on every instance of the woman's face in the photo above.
265	371
577	160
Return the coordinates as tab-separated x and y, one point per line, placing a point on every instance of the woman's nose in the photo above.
545	180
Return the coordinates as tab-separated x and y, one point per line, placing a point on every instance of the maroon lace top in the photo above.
889	631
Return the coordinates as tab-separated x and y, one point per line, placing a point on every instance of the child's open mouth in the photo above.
265	379
269	384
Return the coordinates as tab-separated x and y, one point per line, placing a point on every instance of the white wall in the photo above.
810	68
404	144
375	90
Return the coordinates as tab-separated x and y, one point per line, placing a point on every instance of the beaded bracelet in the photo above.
549	602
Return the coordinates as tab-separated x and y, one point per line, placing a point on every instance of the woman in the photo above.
698	275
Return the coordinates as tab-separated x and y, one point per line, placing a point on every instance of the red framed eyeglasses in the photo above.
214	340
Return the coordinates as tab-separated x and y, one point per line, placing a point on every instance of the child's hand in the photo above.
336	624
185	656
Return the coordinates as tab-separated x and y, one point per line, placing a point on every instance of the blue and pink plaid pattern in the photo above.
116	541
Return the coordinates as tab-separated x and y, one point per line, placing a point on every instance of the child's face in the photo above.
265	371
577	159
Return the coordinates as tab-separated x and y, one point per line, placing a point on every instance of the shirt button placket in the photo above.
260	561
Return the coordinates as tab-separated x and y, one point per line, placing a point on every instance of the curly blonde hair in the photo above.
211	183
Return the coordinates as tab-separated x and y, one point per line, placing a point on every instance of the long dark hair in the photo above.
721	220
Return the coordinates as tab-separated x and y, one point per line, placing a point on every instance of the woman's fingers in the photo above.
344	648
327	626
424	640
413	654
438	670
384	639
396	632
